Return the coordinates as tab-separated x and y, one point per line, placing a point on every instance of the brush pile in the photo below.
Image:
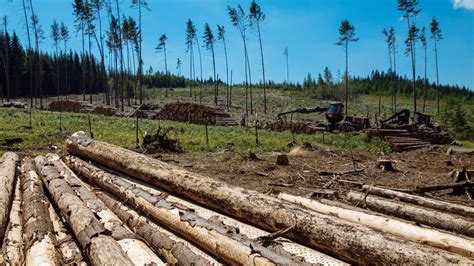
162	142
104	110
192	113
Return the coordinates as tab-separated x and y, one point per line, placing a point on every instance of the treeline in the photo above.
59	74
326	87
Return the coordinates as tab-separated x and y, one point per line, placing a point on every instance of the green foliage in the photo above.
454	118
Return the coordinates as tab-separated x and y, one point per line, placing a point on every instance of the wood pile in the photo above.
296	127
399	139
70	106
103	204
19	105
192	113
104	110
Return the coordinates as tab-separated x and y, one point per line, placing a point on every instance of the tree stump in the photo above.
385	165
282	159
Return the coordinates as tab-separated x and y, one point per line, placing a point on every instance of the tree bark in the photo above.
12	249
226	243
348	241
445	221
89	232
133	246
173	252
422	201
70	252
7	178
38	236
451	243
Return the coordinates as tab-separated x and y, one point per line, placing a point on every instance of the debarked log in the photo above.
171	251
449	242
407	211
12	249
224	242
89	232
422	201
134	247
348	241
7	177
38	236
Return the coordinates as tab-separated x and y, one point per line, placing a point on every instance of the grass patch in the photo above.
121	132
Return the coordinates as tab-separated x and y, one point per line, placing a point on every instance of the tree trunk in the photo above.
445	221
451	243
7	178
348	241
12	249
422	201
136	249
172	251
70	252
223	242
263	70
437	75
38	235
89	232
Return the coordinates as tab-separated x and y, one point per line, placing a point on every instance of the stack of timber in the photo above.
70	106
296	127
19	105
399	139
350	241
192	113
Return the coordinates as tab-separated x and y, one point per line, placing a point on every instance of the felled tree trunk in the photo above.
38	235
135	248
7	177
348	241
422	201
452	243
441	220
171	251
12	249
70	252
226	243
89	232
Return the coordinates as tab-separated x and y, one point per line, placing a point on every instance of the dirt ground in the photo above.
313	169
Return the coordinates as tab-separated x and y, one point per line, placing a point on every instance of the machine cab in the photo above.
334	113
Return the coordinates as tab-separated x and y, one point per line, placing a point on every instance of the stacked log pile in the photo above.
70	106
102	204
350	241
192	113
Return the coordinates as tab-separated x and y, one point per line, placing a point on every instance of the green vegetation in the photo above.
120	131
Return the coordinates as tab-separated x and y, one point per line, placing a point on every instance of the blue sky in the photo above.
309	28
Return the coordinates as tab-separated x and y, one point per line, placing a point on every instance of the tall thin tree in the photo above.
390	42
425	80
98	5
240	20
221	37
162	47
209	40
38	33
190	35
256	15
120	47
200	69
78	7
409	8
436	36
64	32
347	35
56	36
6	57
30	58
140	4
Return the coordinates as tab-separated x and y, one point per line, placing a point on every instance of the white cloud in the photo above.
467	4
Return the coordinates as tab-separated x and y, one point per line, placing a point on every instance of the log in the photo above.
70	252
348	241
226	243
38	236
441	220
7	177
422	201
134	247
451	243
89	232
170	250
430	188
12	249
